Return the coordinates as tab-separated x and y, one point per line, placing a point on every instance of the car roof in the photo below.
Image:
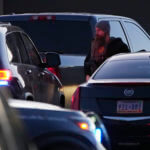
131	56
73	14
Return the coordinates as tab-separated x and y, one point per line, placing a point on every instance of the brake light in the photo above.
83	125
75	99
5	75
55	71
43	18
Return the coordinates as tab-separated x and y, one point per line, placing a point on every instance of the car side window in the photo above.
35	59
13	44
116	31
139	40
23	53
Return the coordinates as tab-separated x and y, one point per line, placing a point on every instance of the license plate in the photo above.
129	106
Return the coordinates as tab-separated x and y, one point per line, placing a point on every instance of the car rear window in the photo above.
124	70
68	37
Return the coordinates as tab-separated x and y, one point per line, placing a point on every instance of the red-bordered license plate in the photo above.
129	106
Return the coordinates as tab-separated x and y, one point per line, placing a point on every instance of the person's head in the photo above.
102	30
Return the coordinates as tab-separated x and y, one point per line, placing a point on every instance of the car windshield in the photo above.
124	69
69	37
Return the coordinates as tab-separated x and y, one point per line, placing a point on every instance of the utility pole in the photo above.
1	7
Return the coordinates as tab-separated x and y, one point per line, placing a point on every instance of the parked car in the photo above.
70	34
23	72
119	93
51	127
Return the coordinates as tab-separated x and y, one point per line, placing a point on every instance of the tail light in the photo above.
75	99
5	76
97	131
55	71
83	125
43	18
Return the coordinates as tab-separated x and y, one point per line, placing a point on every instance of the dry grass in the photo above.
68	91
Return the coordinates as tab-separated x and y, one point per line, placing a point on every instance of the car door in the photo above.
42	80
138	37
19	69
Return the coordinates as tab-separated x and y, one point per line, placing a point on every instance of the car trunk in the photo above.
126	126
116	99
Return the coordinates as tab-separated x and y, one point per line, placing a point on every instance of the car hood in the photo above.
39	110
40	118
33	105
43	108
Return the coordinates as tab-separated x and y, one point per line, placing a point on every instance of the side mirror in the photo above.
52	59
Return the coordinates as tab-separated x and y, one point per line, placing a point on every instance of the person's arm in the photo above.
116	46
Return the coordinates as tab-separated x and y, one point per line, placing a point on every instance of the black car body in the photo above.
21	68
119	93
51	127
70	34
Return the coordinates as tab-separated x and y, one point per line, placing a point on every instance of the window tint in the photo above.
117	31
34	57
139	39
131	69
14	44
23	52
68	37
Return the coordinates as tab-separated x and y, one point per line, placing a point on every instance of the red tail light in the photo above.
75	99
83	125
43	18
5	75
55	71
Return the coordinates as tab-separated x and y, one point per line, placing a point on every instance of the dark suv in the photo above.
70	34
53	128
21	68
